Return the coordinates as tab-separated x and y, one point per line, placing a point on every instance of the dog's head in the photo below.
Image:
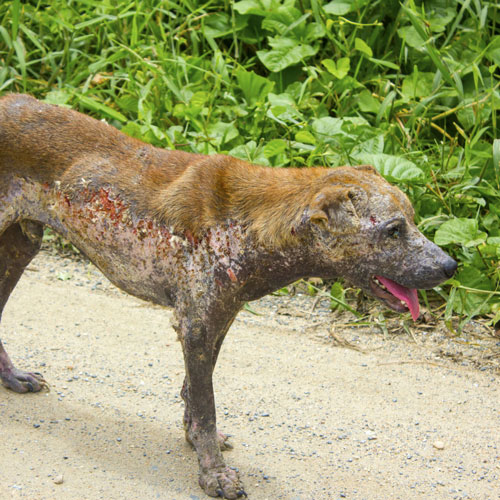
364	227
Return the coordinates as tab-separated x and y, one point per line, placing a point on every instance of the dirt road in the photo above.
310	420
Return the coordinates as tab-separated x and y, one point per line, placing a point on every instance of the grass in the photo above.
410	87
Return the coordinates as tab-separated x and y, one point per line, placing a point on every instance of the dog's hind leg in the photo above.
19	243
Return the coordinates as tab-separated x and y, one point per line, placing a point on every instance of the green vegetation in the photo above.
410	87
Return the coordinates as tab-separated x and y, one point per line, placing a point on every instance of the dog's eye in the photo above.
393	232
394	228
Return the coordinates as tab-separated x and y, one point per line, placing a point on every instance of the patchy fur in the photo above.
203	234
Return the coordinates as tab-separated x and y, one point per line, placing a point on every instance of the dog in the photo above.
202	234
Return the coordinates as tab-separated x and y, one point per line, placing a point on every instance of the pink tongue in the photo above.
408	295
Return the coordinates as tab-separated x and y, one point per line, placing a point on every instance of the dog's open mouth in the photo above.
396	296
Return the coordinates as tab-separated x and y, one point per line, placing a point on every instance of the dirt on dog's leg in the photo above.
19	243
216	478
221	437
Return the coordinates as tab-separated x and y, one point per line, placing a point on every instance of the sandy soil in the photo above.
311	416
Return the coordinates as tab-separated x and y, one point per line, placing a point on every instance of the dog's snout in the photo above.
449	267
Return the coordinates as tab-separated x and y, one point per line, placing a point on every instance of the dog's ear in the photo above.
367	168
335	207
316	212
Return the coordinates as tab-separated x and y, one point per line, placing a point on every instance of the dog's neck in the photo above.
270	202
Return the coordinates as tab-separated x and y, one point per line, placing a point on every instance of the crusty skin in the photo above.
203	234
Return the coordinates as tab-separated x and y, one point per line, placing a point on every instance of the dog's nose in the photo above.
449	267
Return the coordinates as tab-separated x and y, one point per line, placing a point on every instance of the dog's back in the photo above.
63	138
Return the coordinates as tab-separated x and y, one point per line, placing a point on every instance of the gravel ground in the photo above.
317	409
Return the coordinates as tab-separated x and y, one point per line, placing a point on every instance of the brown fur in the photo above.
269	201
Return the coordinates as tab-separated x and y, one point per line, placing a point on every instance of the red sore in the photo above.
191	238
231	275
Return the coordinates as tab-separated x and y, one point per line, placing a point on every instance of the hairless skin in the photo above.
202	234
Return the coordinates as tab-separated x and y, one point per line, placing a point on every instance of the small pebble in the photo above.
59	479
439	445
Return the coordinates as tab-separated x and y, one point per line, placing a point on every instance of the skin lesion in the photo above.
201	233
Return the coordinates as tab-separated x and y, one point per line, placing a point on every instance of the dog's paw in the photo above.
222	482
19	381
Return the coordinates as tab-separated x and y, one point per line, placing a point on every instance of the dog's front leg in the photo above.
221	334
199	342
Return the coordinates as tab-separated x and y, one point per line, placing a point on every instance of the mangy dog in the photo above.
200	233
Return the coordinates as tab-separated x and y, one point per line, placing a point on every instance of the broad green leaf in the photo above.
284	107
222	133
460	231
374	145
291	23
385	106
418	84
467	302
260	7
338	69
440	18
58	97
274	147
217	24
343	66
330	65
278	110
281	20
367	103
314	31
393	168
337	7
284	99
199	99
285	52
362	46
341	7
255	88
250	7
327	127
411	37
305	137
249	152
